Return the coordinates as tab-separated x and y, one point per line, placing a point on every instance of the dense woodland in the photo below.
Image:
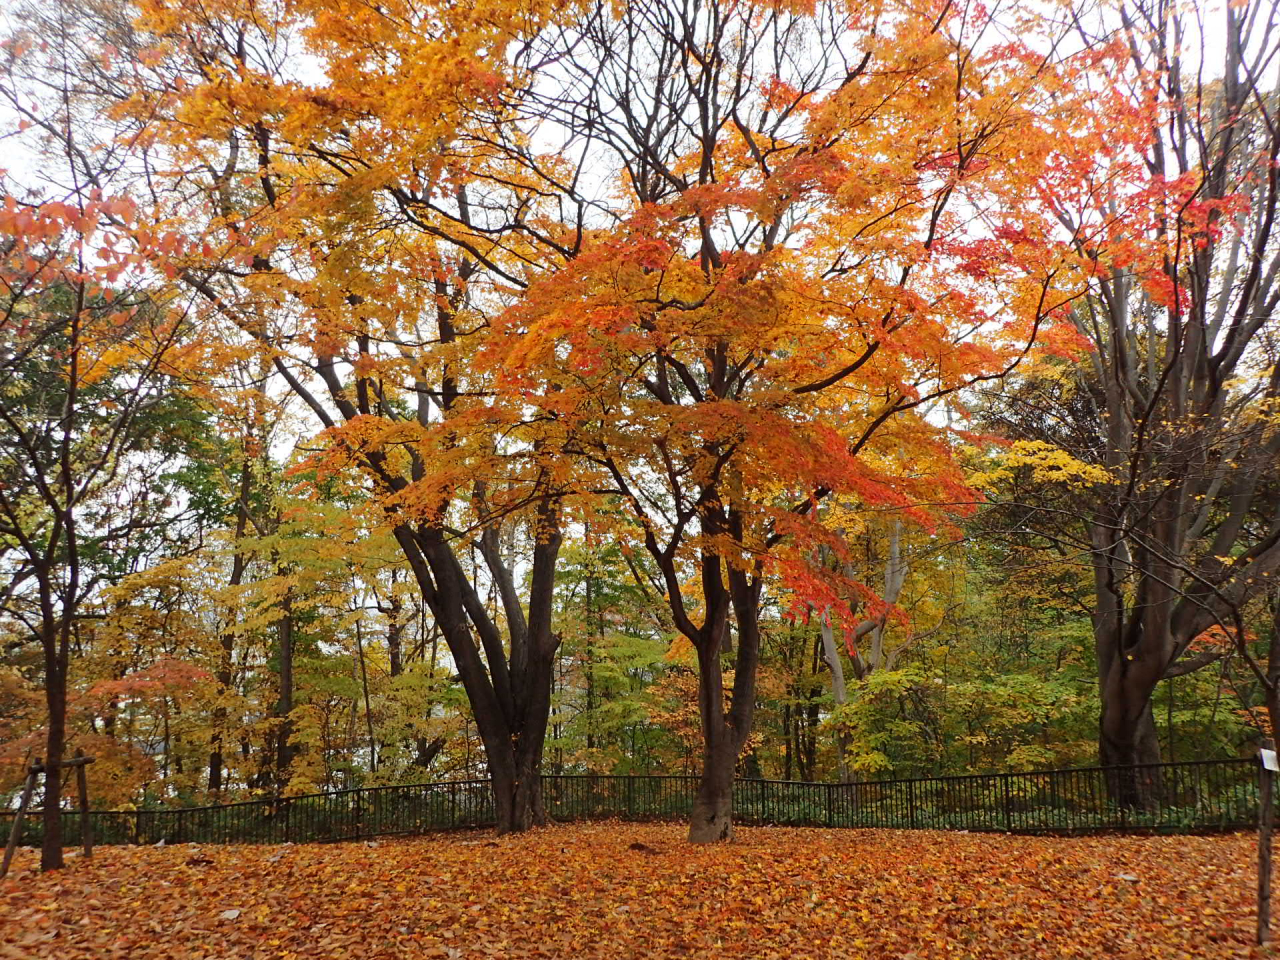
413	391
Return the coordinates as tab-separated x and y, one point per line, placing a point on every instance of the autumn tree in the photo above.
1168	427
758	312
80	377
369	302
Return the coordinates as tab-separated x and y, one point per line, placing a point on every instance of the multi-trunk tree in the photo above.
312	207
1170	420
805	225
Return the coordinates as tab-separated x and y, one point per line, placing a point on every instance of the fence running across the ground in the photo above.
1199	796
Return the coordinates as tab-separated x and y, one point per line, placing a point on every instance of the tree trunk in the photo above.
395	634
368	710
831	654
724	732
427	751
239	563
786	739
517	778
284	752
712	818
1127	739
56	700
1128	743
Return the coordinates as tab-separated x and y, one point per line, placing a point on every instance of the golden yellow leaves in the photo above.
1047	463
619	890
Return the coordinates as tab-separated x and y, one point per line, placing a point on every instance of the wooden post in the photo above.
1266	823
17	819
86	830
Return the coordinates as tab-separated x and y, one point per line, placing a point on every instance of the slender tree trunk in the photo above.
590	669
284	707
368	710
395	633
55	743
724	732
811	737
831	654
239	563
786	739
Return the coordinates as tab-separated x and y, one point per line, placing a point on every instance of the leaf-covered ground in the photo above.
626	890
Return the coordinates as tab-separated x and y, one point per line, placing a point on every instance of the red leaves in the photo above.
165	677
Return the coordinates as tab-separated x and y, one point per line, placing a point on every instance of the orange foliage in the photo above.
586	891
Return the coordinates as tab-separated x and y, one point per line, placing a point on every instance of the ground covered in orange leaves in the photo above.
628	890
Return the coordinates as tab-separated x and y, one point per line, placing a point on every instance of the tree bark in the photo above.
284	707
517	775
427	751
831	655
724	732
55	743
1127	738
509	691
712	818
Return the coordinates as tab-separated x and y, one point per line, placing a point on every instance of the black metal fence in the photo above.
1202	796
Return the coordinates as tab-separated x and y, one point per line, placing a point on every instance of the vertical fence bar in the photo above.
1008	804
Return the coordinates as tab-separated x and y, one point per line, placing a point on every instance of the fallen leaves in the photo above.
629	890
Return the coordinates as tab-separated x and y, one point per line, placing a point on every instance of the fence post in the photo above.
1266	822
911	804
631	796
831	817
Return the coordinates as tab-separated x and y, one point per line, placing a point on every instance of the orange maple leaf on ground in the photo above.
626	890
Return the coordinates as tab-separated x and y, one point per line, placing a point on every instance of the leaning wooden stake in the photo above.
80	761
1266	823
17	820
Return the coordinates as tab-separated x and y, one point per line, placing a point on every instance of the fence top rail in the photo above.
685	777
1234	763
278	801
